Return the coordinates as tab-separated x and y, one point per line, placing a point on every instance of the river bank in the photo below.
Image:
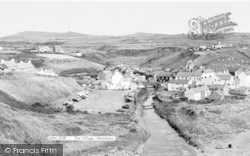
163	139
129	143
220	129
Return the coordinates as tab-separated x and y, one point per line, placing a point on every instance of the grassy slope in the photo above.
20	125
28	88
61	65
100	49
221	122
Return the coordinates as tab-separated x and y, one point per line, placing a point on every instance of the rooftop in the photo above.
167	74
197	89
3	66
208	71
184	74
196	73
225	77
179	81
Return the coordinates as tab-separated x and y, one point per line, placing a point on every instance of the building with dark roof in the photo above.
58	49
165	77
4	68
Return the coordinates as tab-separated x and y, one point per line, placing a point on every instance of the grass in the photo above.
29	88
57	56
69	72
219	122
39	120
62	65
21	126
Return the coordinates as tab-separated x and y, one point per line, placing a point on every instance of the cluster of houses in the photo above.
12	65
203	83
44	49
208	48
7	66
114	80
195	84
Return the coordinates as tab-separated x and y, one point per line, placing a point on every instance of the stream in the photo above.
163	141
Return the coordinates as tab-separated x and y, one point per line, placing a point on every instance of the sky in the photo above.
114	18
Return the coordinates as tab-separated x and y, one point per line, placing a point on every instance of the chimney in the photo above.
13	60
21	62
29	62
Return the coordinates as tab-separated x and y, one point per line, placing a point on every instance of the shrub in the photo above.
120	110
70	108
133	130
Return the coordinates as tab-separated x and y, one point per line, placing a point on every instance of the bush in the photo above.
120	110
133	130
70	108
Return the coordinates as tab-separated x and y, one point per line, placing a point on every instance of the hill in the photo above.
149	49
174	58
29	88
20	124
28	34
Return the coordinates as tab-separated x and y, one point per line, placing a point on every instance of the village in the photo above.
191	82
129	78
196	90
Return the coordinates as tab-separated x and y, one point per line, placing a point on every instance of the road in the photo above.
163	141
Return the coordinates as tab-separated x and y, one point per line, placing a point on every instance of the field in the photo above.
57	56
62	65
145	49
133	61
104	101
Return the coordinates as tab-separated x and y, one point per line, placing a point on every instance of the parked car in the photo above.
125	107
76	99
66	103
237	92
83	96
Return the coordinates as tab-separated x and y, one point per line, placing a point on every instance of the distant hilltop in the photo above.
40	36
49	34
28	34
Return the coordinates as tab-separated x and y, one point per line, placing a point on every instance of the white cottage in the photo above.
116	80
244	78
197	93
175	85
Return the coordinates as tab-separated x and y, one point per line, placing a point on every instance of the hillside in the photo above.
20	124
39	35
62	65
147	49
28	88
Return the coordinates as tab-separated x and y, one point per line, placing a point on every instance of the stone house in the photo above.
175	85
105	75
197	93
244	78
